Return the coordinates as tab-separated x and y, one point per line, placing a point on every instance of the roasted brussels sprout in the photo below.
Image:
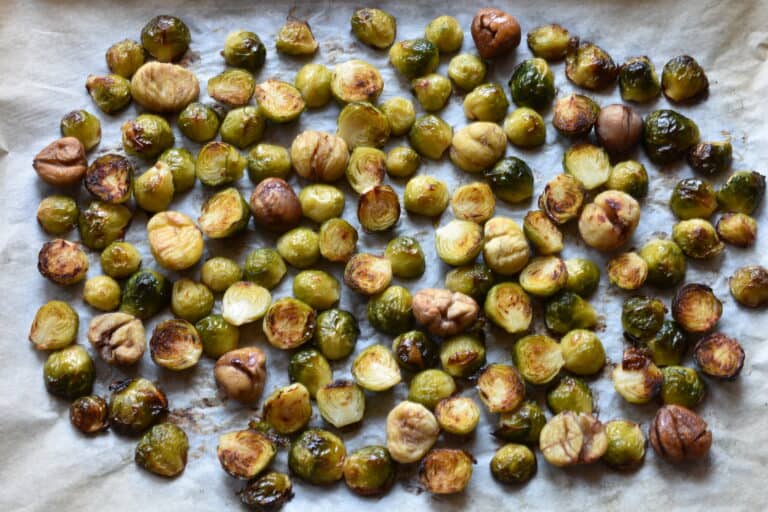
154	189
608	222
296	38
575	115
275	206
219	163
478	146
245	302
240	373
288	409
120	260
317	288
742	193
505	248
678	434
362	124
473	280
431	91
336	333
244	49
446	470
166	38
69	372
525	128
242	126
356	81
573	438
467	71
217	335
538	358
366	168
626	444
62	163
57	214
414	57
628	271
109	178
636	378
235	87
83	126
338	240
737	229
147	136
175	241
667	135
224	214
370	471
299	247
568	311
696	308
486	102
390	310
220	273
125	57
378	208
406	257
544	276
495	32
629	177
532	84
445	33
429	387
88	414
513	464
278	101
582	352
711	157
500	388
459	242
54	327
693	198
310	368
411	431
63	262
618	128
246	453
589	66
542	232
375	369
511	179
473	202
666	262
198	122
638	81
522	425
549	42
509	307
749	286
289	323
589	164
341	403
562	198
175	345
719	356
111	93
583	276
182	166
314	83
317	456
400	115
374	27
425	195
268	161
697	238
102	292
145	293
162	450
368	274
414	351
430	136
269	492
642	317
462	355
683	79
135	405
667	346
457	415
570	394
682	386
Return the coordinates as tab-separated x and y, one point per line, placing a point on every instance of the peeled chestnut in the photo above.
275	205
240	373
618	128
495	32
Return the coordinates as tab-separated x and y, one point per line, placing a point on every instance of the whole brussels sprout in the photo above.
575	115
583	352
374	27
83	126
317	288
120	260
666	262
626	444
486	102
638	80
69	372
683	79
162	450
57	214
279	102
432	91
402	162
362	124
321	202
198	122
264	267
463	355
430	136
697	238
135	405
445	33
511	179
356	80
268	161
145	293
513	464
525	128
296	38
391	310
338	240
219	163
682	386
589	66
425	195
147	136
629	177
473	280
242	127
220	273
414	351
101	223
532	84
370	471
182	166
549	42
742	193
88	414
111	93
244	49
125	57
642	317
336	333
583	276
190	300
217	335
693	198
102	292
310	368
667	135
478	146
737	229
522	425
267	492
299	247
467	71
711	157
414	57
314	83
154	189
570	394
429	387
668	346
568	311
749	286
317	456
166	38
55	326
406	257
400	114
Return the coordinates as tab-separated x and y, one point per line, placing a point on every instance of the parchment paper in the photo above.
48	49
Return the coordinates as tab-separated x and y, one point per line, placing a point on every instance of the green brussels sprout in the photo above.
486	102
166	38
218	336
219	163
288	409
683	79
467	71
542	232
310	368
317	456
544	276
459	242
432	91
341	403
696	308
583	352
374	27
55	326
474	202
568	311
414	351
296	38
430	136
538	358
321	202
719	356
642	317
175	345
245	302
69	372
279	102
145	293
742	193
356	80
711	157
400	114
289	323
666	263
268	492
589	66
299	247
362	124
224	214
242	127
182	166
627	271
511	179
522	425
638	81
500	388
198	122
478	146
88	414
317	288
111	93
375	369
406	257
233	87
268	161
575	115
737	229
668	346
525	128
63	262
391	310
693	198
425	195
667	135
338	239
428	387
147	136
162	450
463	355
570	394
473	280
109	178
367	274
314	83
366	168
135	405
245	453
83	126
682	386
414	57
749	286
190	300
637	379
120	260
220	273
629	177
509	307
532	84
445	33
626	444
513	464
102	292
549	42
57	214
336	333
154	190
697	238
370	471
125	57
101	223
583	276
244	49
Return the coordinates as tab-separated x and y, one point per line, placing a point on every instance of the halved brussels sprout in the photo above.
62	262
532	84
289	323
69	372
473	202
666	262
57	214
430	136
368	274
509	307
147	136
683	79
224	214
626	444
102	292
314	83
218	335
245	302
362	124
109	178
374	27
459	242
737	229
182	166
55	326
522	425
583	276
608	222
568	311
682	386
542	232
83	126
478	146
163	450
135	405
89	414
511	179
244	49
575	115
573	438
513	464
366	168
233	87
749	286
719	356
486	102
462	355
321	202
589	66
336	333
125	57
145	293
154	189
473	280
544	276
562	198
378	208
638	80
406	257
220	273
425	195
175	345
242	127
414	57
317	288
446	470
525	128
288	409
370	471
570	394
317	456
120	260
432	91
310	368
296	38
583	352
219	163
457	415
642	317
279	101
175	241
414	350
268	161
628	271
245	453
693	198
549	41
637	379
742	193
198	122
445	33
696	308
500	388
667	346
268	492
589	164
299	247
338	239
629	177
375	369
411	431
165	37
391	310
429	387
341	403
667	135
111	93
538	358
356	81
711	157
467	71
